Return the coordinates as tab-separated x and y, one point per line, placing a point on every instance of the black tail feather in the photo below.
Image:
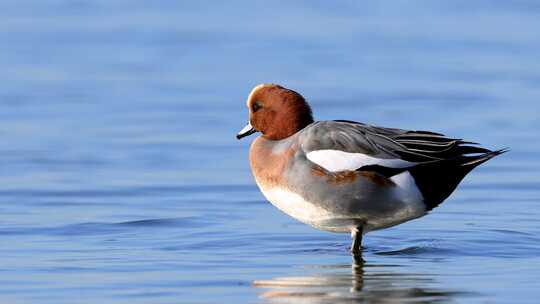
438	179
478	160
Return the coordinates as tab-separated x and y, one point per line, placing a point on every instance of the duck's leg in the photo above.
356	245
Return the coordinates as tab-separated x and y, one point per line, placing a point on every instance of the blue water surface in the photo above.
121	180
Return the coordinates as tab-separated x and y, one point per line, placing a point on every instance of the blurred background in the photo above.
121	179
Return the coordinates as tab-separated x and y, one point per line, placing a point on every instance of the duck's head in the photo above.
276	112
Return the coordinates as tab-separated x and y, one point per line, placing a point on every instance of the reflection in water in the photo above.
354	283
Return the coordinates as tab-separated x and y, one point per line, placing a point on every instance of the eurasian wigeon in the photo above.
345	176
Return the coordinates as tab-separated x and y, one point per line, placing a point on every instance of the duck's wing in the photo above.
436	162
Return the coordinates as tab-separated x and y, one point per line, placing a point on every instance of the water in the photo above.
122	182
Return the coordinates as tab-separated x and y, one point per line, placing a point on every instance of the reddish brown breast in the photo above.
267	164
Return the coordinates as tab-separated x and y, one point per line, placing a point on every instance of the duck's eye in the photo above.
256	107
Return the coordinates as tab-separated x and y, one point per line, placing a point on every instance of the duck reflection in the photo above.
357	282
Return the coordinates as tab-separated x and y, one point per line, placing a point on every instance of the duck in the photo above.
345	176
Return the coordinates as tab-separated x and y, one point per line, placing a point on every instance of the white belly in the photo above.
295	206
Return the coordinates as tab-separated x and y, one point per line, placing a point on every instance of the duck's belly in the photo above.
296	206
338	219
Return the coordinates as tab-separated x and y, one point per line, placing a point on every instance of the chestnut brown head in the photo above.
276	112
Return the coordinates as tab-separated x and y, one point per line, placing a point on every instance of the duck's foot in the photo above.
356	246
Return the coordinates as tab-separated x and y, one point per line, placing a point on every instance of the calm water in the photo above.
122	182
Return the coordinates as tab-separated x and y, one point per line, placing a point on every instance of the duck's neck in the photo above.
287	128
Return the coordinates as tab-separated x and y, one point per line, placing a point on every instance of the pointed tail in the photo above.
438	179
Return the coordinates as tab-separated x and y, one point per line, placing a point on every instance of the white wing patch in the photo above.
335	160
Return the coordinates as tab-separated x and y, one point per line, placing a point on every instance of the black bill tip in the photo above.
246	131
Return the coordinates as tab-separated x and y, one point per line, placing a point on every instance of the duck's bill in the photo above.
246	131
